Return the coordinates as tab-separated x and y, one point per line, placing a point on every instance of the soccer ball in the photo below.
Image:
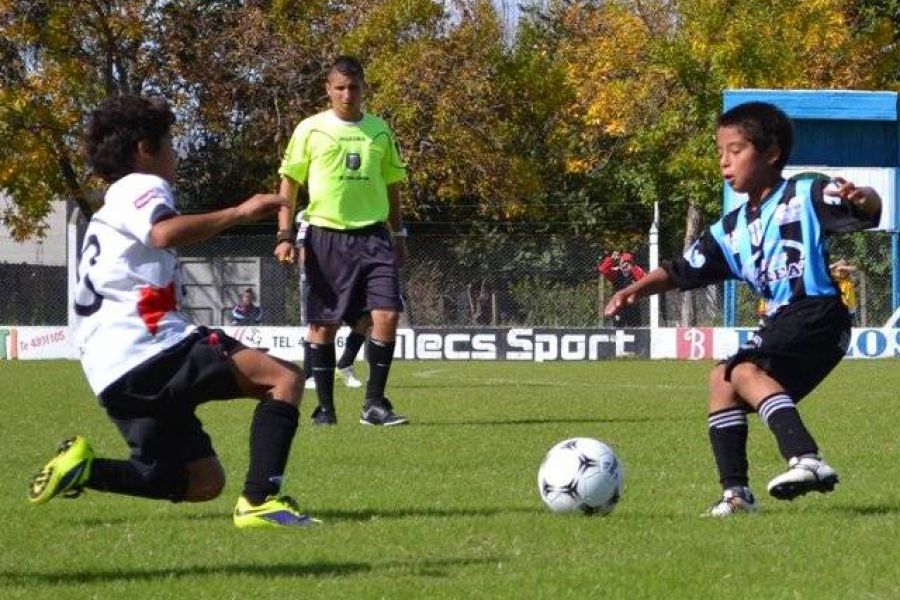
580	474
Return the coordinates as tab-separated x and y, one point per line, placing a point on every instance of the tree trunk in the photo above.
692	227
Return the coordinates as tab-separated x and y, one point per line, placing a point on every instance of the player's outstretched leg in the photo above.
804	474
282	511
65	473
734	501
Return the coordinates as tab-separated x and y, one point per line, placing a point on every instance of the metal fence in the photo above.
534	281
510	280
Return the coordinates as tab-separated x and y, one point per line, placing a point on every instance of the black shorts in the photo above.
799	345
153	404
350	273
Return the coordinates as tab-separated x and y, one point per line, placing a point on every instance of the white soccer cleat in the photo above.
806	474
349	377
734	501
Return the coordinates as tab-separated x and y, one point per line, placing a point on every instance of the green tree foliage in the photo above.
577	123
56	59
648	77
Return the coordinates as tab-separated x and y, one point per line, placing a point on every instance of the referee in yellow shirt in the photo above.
350	165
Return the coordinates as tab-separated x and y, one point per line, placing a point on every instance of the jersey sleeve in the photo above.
393	169
703	263
837	216
151	203
295	163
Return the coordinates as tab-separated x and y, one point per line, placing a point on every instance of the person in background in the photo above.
619	269
359	331
247	312
762	306
349	164
843	276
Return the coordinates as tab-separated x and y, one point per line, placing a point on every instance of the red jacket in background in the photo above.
616	276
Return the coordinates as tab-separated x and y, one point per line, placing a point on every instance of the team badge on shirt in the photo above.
353	161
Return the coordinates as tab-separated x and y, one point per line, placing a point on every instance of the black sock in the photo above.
134	479
321	358
780	415
271	434
307	362
728	437
379	355
351	348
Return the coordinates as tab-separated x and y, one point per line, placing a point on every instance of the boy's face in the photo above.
744	167
345	94
162	162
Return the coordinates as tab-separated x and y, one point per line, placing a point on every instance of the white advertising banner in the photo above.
524	344
716	343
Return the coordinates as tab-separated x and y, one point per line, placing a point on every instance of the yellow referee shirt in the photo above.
345	167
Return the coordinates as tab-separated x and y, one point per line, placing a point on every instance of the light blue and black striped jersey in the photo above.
779	248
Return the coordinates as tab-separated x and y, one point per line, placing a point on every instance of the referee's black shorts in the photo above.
799	345
349	273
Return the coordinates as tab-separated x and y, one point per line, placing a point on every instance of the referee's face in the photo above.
345	94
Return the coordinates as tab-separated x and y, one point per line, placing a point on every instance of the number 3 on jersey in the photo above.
87	300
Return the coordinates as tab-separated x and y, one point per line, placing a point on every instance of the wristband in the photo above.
284	235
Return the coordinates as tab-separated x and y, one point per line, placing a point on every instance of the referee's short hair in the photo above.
348	66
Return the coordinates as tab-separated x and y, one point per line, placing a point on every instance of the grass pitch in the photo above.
448	507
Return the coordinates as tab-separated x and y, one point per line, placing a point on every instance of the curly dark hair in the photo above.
115	128
764	125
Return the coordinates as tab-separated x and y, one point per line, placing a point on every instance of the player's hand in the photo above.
862	197
401	251
261	206
284	252
619	300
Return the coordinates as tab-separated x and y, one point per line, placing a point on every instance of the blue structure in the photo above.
837	129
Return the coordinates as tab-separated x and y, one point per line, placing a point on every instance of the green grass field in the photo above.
448	507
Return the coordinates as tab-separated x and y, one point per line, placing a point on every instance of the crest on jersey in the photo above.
353	161
695	256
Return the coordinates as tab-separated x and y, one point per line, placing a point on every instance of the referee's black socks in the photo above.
321	358
380	355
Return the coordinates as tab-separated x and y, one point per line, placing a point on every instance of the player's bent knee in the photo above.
745	371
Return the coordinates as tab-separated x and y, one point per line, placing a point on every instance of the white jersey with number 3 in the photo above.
128	293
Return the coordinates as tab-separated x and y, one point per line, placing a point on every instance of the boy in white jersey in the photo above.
149	366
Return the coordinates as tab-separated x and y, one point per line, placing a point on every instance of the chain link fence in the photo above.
520	281
505	280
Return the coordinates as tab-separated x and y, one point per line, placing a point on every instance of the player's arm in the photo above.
284	241
656	282
175	230
395	220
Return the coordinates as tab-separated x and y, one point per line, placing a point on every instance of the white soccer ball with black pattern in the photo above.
580	474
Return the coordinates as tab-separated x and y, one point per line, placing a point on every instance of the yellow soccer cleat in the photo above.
282	511
65	474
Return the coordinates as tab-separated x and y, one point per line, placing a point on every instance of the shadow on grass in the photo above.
328	516
866	510
371	514
550	421
267	570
